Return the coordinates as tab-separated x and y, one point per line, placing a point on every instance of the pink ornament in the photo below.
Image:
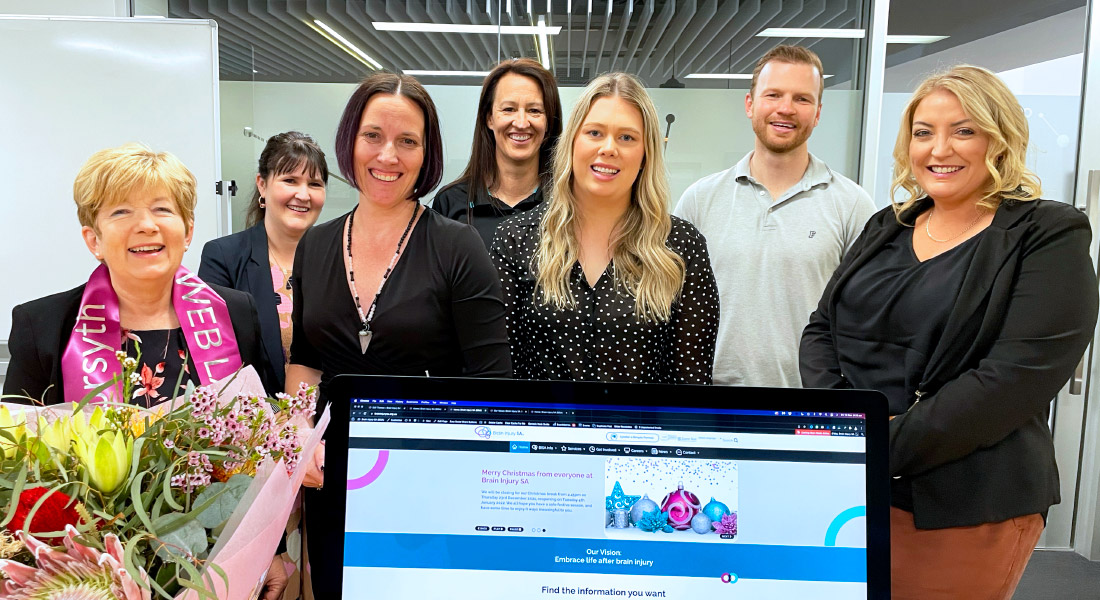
681	506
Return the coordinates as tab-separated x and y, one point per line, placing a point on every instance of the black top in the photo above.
486	213
600	339
897	293
163	354
240	261
976	447
440	312
40	332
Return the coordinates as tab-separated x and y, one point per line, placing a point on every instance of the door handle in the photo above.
1078	380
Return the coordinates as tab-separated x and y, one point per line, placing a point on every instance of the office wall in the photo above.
710	133
71	8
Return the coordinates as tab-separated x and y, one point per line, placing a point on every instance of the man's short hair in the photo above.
798	55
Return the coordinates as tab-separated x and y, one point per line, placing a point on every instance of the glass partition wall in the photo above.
292	65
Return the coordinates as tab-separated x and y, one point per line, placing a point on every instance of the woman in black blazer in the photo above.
290	192
968	306
136	207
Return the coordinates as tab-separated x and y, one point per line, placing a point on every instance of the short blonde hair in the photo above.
997	113
645	267
110	175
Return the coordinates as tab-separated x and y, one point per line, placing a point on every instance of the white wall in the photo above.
711	131
71	8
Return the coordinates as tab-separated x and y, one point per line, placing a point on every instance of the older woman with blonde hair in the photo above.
600	282
136	210
968	305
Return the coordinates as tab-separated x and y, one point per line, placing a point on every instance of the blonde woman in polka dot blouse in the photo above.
600	282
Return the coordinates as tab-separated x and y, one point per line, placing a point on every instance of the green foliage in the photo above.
169	496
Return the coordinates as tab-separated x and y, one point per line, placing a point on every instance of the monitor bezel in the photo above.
342	388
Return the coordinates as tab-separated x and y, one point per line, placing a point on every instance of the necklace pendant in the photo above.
364	339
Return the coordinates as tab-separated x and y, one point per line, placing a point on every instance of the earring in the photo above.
262	204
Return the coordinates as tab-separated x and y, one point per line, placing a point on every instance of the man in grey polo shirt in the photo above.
777	224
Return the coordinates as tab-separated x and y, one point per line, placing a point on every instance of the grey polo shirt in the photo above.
771	261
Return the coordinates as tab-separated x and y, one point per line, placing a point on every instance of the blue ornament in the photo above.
715	510
618	500
640	508
700	523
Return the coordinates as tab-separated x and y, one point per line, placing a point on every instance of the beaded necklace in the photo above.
365	333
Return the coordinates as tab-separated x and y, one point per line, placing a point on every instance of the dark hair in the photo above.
797	55
285	153
431	171
481	171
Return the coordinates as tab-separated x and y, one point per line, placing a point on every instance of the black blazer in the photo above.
239	261
40	331
974	442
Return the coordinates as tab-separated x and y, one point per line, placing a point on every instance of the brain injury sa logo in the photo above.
483	432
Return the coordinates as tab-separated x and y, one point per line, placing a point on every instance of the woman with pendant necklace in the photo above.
391	288
968	306
290	193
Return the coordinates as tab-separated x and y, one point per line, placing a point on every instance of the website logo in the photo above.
729	577
483	432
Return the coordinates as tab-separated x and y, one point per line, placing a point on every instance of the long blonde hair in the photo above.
645	267
997	113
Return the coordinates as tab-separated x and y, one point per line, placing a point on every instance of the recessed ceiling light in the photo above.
812	32
459	28
346	45
423	73
914	39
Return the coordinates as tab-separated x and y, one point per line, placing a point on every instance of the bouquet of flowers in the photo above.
180	501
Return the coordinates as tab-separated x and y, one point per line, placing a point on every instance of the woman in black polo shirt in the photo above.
518	123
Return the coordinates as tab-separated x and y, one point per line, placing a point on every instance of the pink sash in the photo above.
89	360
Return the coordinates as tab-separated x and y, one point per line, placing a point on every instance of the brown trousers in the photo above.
983	562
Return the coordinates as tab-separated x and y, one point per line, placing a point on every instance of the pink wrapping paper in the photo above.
248	541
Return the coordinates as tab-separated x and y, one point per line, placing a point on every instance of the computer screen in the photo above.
512	498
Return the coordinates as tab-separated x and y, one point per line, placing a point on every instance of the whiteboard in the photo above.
72	86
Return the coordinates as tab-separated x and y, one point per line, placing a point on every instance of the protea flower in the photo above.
78	573
55	434
104	452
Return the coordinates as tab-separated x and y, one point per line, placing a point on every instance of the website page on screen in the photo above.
467	500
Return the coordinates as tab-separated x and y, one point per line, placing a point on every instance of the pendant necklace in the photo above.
928	231
286	277
365	333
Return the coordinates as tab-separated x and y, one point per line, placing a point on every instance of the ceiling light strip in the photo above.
744	76
812	32
542	29
346	45
426	73
544	44
914	39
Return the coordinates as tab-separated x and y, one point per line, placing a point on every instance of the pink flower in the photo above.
150	382
78	573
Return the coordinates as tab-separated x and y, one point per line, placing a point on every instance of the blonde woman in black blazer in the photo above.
968	306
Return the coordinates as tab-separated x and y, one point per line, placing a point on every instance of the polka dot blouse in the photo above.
601	339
